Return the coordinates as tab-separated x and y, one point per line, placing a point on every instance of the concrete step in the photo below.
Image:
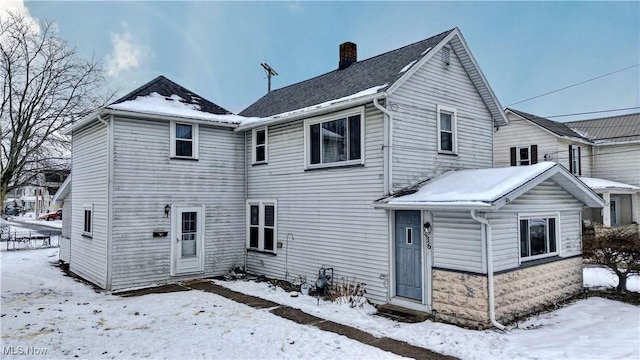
401	314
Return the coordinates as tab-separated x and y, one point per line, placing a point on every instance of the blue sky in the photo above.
215	48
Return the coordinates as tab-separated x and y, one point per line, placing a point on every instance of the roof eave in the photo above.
63	191
293	115
148	116
433	206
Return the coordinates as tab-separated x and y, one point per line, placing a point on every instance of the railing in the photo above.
28	239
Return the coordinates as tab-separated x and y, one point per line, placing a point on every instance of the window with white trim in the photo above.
538	237
523	154
184	140
335	140
87	228
447	129
574	160
261	225
260	150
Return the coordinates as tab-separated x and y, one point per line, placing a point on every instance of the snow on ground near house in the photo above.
31	218
596	276
24	238
42	308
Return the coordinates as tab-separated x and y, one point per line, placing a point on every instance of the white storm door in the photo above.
188	233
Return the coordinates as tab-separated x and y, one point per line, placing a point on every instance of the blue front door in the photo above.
408	248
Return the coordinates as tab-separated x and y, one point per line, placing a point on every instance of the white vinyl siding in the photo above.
145	181
522	133
89	186
415	137
457	242
325	215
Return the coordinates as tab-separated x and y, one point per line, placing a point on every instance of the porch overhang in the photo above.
486	189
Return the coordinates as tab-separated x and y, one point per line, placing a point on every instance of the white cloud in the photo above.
18	7
126	54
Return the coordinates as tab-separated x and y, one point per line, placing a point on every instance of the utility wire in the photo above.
594	112
570	86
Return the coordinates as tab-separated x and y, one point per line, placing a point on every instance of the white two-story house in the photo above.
380	171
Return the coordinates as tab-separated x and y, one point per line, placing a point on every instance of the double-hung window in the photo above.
261	225
87	227
259	140
184	140
524	155
574	160
447	129
538	237
335	140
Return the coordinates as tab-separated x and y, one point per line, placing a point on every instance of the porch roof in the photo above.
488	189
604	185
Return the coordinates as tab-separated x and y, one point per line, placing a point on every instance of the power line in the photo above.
593	112
576	84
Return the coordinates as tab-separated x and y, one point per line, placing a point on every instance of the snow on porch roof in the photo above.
604	184
488	189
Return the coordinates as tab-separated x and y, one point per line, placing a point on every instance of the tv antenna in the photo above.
270	72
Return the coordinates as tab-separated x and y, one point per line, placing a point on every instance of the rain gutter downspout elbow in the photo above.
492	309
388	145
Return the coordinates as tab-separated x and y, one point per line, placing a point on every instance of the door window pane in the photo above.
189	234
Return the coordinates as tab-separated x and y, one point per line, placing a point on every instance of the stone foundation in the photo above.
523	292
462	298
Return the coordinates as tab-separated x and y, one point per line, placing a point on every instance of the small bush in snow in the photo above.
617	249
348	291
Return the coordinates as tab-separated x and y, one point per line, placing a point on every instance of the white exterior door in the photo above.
188	235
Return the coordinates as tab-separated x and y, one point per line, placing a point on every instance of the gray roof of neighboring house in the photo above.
361	75
166	87
555	127
610	129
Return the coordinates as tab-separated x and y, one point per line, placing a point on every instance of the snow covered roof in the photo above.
390	68
603	184
488	189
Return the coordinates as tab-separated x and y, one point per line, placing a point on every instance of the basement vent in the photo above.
445	56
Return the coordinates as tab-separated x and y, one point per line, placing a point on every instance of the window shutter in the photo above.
570	160
513	156
534	154
579	163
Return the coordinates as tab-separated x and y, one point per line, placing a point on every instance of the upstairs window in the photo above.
184	140
447	137
538	237
575	163
524	155
261	225
259	140
337	140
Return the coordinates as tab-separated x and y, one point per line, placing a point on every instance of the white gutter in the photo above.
433	206
302	114
388	146
492	310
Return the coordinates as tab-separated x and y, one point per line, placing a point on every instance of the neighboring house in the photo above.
327	148
158	189
380	170
604	153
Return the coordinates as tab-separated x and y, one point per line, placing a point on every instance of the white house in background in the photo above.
379	170
604	153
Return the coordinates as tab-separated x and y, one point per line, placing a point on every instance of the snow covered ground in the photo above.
43	310
31	218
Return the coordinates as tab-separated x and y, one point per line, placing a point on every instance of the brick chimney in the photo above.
348	55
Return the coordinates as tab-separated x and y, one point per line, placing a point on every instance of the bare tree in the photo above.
45	86
617	249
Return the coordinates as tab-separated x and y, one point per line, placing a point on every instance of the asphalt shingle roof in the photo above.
166	87
361	75
611	129
555	127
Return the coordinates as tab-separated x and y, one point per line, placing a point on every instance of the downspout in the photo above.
492	310
246	194
388	146
109	194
